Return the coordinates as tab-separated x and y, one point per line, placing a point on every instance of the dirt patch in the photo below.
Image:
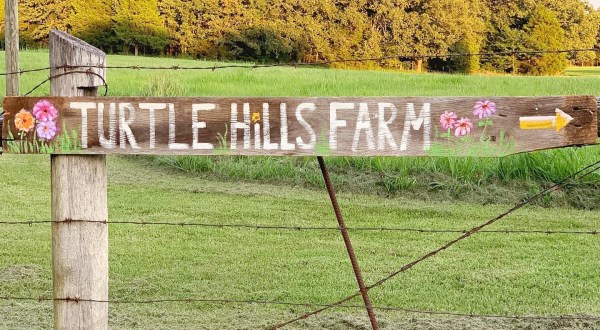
18	272
389	322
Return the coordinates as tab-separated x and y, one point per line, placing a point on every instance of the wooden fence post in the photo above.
598	119
79	182
11	38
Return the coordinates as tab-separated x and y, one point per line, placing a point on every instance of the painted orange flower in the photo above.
24	120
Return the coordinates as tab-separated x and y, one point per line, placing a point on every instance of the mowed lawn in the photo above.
504	274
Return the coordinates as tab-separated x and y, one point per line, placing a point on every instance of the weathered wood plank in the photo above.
74	52
79	192
11	41
367	126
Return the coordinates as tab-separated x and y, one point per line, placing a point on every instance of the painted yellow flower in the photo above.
255	117
24	120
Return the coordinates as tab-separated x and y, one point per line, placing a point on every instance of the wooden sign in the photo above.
386	126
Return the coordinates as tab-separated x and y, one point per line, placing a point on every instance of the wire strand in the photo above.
586	170
295	304
305	64
66	74
593	232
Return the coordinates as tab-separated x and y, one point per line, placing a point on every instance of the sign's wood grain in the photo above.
367	126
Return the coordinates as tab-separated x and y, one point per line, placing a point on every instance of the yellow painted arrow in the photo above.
558	122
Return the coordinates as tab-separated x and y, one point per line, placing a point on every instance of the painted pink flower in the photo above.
448	120
44	111
484	109
46	130
463	127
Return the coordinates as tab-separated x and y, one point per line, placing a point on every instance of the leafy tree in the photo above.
324	30
580	23
90	20
38	17
456	27
137	24
2	24
261	43
544	33
505	33
576	21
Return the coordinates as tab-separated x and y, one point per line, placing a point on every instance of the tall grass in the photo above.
478	180
542	166
163	84
314	81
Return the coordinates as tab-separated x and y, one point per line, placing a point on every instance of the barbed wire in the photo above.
104	83
341	303
214	67
593	232
583	172
295	304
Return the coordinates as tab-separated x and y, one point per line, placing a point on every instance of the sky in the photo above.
595	3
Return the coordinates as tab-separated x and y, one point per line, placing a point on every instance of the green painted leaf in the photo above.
322	146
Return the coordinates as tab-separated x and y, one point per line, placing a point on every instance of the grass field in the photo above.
489	273
312	81
507	274
466	179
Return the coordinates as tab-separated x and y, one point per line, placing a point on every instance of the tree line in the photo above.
324	30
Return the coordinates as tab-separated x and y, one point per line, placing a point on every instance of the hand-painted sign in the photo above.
557	122
388	126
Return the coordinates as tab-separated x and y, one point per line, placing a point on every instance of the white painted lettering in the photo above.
125	132
257	136
363	122
311	132
384	135
111	143
283	129
151	107
267	145
196	125
334	123
172	133
84	106
235	125
415	122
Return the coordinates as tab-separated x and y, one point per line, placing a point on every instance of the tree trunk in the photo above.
420	65
514	65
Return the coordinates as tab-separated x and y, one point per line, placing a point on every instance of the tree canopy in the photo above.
322	30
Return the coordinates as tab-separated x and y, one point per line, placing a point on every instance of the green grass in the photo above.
484	180
488	273
315	81
576	71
